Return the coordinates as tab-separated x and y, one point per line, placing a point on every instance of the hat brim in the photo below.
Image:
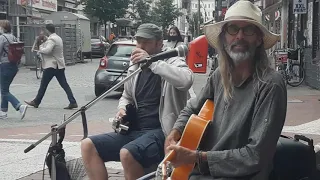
212	32
145	35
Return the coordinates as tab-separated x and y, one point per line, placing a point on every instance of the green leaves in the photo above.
140	10
194	23
106	10
164	13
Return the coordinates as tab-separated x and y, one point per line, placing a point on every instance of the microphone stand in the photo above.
56	129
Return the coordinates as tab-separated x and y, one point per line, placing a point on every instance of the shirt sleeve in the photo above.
178	74
266	126
2	43
46	48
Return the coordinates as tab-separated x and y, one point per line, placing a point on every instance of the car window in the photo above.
121	50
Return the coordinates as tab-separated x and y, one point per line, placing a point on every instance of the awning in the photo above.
124	22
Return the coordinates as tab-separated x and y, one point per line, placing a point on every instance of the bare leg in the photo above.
94	165
132	169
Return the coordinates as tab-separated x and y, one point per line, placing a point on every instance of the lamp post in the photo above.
199	17
114	29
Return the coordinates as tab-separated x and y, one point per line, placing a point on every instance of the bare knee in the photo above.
125	156
87	147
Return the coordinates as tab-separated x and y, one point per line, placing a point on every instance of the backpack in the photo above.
15	51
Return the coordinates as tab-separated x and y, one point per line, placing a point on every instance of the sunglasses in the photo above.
249	30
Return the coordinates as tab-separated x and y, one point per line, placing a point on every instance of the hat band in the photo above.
240	18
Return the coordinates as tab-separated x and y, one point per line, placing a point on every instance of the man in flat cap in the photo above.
159	93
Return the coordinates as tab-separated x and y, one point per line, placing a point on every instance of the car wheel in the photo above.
98	90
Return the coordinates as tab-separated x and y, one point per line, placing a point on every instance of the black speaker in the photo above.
294	159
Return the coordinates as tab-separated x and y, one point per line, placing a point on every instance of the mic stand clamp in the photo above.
118	127
53	150
55	129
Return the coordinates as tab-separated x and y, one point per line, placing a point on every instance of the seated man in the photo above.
250	102
159	92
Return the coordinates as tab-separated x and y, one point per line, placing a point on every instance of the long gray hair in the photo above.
261	67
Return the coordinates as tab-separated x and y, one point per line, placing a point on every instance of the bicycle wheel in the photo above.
296	75
39	68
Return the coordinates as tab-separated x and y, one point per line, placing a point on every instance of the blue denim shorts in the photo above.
147	146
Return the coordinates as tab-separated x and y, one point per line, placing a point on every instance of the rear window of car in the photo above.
121	50
95	40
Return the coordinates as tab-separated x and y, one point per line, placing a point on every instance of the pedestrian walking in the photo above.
54	65
8	70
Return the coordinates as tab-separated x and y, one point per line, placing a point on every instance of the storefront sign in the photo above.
299	6
70	5
49	5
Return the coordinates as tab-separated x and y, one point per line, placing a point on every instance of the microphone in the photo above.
181	51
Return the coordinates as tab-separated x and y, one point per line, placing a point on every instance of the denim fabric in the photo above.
8	72
145	146
48	74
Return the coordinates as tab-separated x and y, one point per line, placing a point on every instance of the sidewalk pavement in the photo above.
302	118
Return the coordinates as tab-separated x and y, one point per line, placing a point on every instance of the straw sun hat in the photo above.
242	10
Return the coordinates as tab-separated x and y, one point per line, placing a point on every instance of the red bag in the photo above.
15	51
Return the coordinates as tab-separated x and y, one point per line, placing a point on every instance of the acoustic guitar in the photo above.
191	138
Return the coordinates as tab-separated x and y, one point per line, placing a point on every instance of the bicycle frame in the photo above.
285	64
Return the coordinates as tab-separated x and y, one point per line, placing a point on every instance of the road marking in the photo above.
294	101
40	133
27	141
19	135
77	135
312	128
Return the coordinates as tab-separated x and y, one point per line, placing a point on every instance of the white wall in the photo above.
207	6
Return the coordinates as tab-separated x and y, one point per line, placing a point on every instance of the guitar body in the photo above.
191	138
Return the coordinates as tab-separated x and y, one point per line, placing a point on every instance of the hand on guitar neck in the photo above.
172	139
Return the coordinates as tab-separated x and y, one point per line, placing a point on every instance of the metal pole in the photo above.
284	23
199	18
219	9
87	106
18	24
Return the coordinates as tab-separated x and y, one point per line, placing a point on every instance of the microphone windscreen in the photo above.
182	50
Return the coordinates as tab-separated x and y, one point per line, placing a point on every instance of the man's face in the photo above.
241	40
150	45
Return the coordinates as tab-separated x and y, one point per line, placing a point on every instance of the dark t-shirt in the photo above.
148	93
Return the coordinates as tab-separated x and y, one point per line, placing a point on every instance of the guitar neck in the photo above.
170	155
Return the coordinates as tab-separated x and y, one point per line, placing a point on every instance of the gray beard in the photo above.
239	57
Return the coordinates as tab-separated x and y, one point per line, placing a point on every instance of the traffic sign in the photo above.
299	6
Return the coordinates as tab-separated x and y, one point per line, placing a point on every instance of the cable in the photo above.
44	164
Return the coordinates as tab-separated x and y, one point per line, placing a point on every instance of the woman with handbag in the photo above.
8	70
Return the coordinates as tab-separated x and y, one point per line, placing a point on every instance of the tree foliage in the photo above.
164	13
140	10
194	23
106	10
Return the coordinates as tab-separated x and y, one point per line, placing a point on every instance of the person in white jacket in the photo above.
54	66
158	94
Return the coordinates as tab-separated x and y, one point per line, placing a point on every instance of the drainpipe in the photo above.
284	23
